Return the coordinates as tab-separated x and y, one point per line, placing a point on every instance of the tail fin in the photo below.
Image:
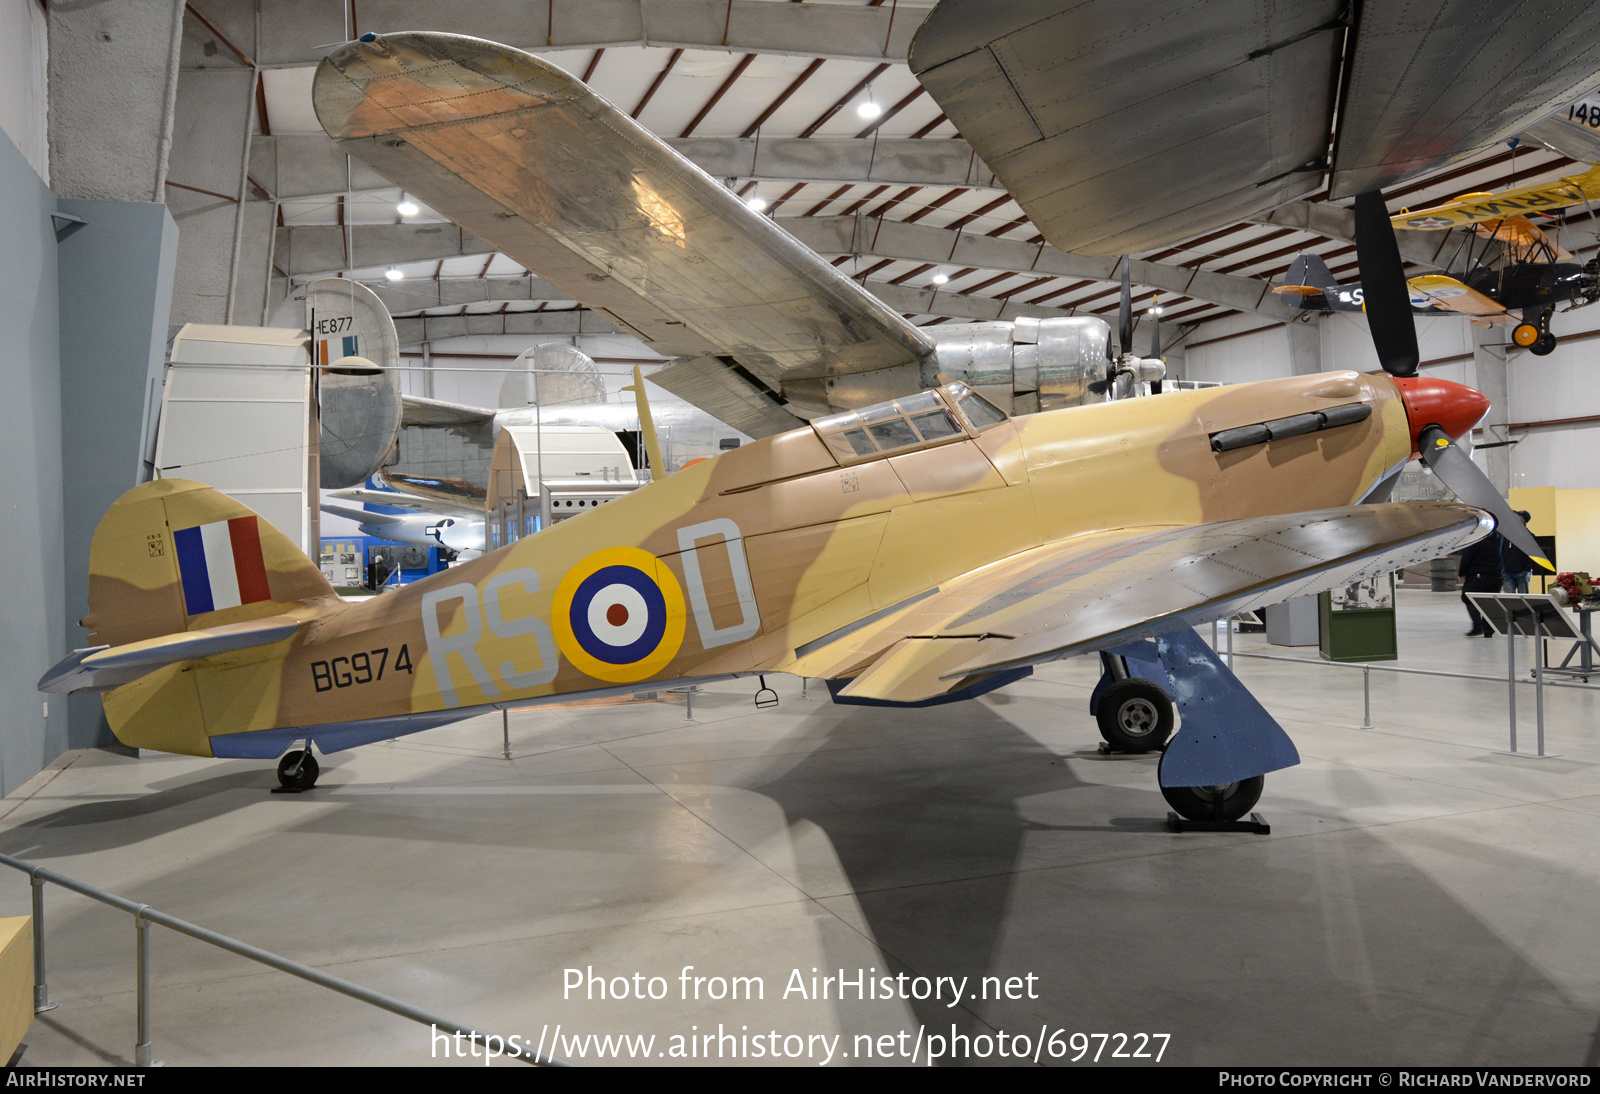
1309	269
175	555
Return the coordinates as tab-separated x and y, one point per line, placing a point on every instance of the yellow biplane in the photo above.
1512	270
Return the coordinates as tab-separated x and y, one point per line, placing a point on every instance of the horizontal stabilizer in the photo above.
101	668
415	410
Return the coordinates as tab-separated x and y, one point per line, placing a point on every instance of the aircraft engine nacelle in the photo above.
1029	364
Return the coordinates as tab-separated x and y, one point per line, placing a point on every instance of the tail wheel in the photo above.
1525	335
298	770
1135	715
1542	347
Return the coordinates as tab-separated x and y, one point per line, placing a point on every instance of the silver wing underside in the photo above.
1120	127
1124	127
526	157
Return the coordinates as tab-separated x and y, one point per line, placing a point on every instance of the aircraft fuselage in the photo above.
746	562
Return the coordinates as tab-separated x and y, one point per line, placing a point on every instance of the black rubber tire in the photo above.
305	778
1544	346
1211	803
1135	715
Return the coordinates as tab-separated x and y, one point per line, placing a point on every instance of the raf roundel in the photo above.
619	615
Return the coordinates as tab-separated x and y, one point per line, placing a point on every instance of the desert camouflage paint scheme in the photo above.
902	577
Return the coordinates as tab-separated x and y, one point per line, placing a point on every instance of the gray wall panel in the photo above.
32	621
116	278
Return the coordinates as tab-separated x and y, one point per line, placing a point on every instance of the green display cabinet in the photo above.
1355	622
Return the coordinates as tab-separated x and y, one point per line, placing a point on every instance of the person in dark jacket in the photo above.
1515	562
1483	570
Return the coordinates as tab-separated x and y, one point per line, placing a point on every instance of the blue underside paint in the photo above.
268	744
971	691
1224	734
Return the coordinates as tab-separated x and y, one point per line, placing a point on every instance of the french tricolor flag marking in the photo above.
221	565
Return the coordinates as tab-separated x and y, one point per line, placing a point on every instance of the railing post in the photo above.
505	733
1511	678
1366	697
41	990
141	1049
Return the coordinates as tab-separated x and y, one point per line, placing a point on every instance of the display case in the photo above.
1355	622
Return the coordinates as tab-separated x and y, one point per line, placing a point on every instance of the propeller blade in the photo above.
1457	471
1383	283
1155	347
1126	316
1109	357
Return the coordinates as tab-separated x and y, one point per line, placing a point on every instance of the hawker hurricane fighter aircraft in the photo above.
1511	270
924	549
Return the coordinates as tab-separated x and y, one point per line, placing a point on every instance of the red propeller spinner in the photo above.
1454	408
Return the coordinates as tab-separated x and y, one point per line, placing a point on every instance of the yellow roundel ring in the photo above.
619	615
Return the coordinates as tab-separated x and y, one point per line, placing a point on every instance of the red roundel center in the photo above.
616	615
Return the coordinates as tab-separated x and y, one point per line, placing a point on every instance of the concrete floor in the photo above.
1420	900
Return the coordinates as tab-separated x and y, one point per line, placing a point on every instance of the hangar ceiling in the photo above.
765	94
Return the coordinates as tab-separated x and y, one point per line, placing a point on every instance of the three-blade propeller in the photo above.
1122	362
1394	336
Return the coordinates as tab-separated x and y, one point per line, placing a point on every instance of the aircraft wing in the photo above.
101	668
525	156
1096	591
1476	208
358	496
1523	239
1448	293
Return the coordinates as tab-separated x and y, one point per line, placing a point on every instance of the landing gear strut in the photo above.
297	770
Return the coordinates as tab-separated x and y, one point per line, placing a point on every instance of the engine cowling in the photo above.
1029	364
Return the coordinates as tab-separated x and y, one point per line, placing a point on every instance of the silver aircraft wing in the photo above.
526	157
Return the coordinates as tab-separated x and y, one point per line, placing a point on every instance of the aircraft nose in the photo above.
1454	408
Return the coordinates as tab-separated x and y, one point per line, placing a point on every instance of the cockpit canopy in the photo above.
953	412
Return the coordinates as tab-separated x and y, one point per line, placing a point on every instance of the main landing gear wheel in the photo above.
1544	345
1525	334
1135	715
1215	803
298	769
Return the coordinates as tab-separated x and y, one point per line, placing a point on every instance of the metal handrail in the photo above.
144	915
1414	672
1538	682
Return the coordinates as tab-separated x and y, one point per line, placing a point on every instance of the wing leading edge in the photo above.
1101	590
526	157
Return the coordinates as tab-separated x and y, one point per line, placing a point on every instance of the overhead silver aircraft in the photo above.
767	334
